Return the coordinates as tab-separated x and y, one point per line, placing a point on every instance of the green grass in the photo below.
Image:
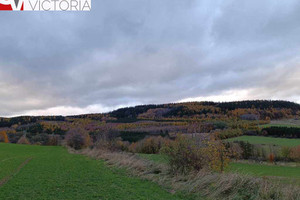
288	174
279	125
267	140
265	170
283	123
55	174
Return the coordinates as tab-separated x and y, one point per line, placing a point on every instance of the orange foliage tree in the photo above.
3	137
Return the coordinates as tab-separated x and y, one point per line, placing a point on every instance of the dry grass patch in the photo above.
204	183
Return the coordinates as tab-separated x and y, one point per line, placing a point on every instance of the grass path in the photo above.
7	178
55	174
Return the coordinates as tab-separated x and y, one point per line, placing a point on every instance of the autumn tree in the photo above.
78	138
3	137
187	154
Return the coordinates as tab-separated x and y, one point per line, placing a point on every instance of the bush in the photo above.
23	140
78	138
150	145
109	140
234	150
54	140
260	152
271	158
229	133
247	149
184	155
122	145
187	154
286	153
295	154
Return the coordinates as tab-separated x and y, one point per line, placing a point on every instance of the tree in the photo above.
78	138
187	154
3	137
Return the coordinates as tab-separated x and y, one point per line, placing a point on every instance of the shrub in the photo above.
286	153
260	152
229	133
23	140
150	145
132	147
184	155
218	155
247	149
234	150
108	140
78	138
295	154
122	145
271	158
54	140
187	154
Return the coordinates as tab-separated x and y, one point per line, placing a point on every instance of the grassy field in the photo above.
292	173
53	173
267	140
279	125
266	170
285	173
283	123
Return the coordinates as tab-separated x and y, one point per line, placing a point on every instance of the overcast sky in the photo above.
128	52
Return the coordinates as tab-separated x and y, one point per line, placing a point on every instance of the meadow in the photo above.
39	172
289	173
283	123
278	124
267	140
266	170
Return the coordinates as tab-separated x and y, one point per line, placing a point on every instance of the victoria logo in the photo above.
11	5
45	5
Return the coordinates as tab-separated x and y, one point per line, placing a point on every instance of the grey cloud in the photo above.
139	51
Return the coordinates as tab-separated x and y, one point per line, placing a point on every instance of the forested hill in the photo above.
262	108
258	104
259	109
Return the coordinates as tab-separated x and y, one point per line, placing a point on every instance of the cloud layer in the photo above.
139	51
